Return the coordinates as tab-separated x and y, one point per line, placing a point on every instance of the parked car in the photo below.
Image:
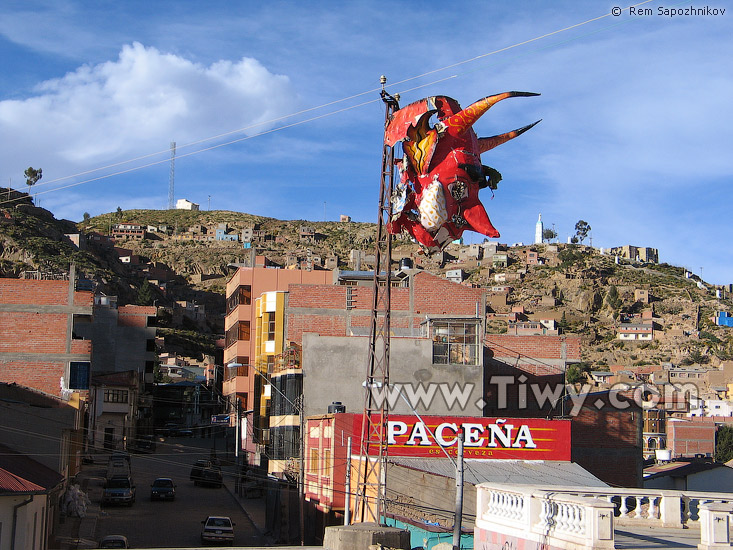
118	490
163	488
114	541
211	476
145	444
217	529
198	467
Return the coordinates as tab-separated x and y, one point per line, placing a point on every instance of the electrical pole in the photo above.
459	494
172	176
347	496
301	472
370	491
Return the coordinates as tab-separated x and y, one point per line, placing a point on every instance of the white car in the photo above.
218	529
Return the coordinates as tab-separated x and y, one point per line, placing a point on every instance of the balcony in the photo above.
602	518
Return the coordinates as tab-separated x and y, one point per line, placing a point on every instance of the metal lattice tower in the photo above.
373	450
172	177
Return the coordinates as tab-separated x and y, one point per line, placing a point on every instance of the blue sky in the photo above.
635	139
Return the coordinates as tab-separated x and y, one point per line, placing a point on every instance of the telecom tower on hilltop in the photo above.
172	177
538	231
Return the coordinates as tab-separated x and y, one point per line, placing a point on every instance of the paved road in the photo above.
175	523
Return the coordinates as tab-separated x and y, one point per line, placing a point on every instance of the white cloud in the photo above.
135	105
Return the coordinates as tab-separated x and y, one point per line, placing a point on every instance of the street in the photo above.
177	523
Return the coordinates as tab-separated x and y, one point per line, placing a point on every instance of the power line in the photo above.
324	105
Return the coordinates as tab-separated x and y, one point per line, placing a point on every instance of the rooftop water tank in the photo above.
336	407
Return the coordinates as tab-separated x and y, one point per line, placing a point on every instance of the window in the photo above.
242	295
326	462
116	396
244	330
313	463
456	342
268	325
79	375
238	331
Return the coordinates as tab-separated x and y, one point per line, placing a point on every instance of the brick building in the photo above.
39	347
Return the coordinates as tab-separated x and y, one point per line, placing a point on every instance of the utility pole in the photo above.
347	496
172	177
301	472
370	491
459	494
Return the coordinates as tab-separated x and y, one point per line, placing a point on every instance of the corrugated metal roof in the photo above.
529	472
10	483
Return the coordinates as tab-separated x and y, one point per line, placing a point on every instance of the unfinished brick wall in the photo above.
608	441
688	438
341	308
536	354
433	295
35	334
134	316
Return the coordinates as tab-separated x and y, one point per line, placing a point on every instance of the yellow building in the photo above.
269	343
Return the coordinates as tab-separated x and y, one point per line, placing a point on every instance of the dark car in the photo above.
211	477
198	467
114	541
118	490
145	444
163	488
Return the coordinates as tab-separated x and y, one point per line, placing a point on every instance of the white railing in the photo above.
554	519
584	517
656	507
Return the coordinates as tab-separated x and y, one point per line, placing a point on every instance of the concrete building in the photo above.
418	470
689	475
123	337
185	204
636	253
56	425
331	322
113	410
29	501
243	379
127	231
538	231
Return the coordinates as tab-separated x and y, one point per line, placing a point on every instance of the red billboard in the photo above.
493	438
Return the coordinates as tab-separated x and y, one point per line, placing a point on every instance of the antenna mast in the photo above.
371	488
172	176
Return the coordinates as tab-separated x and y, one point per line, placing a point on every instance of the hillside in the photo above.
572	285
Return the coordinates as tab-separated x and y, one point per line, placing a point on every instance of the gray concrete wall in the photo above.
334	369
38	432
115	348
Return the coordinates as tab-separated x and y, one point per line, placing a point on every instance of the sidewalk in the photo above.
75	532
253	504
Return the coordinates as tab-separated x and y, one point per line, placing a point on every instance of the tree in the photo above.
119	213
32	176
549	234
87	217
581	230
574	374
145	294
724	444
